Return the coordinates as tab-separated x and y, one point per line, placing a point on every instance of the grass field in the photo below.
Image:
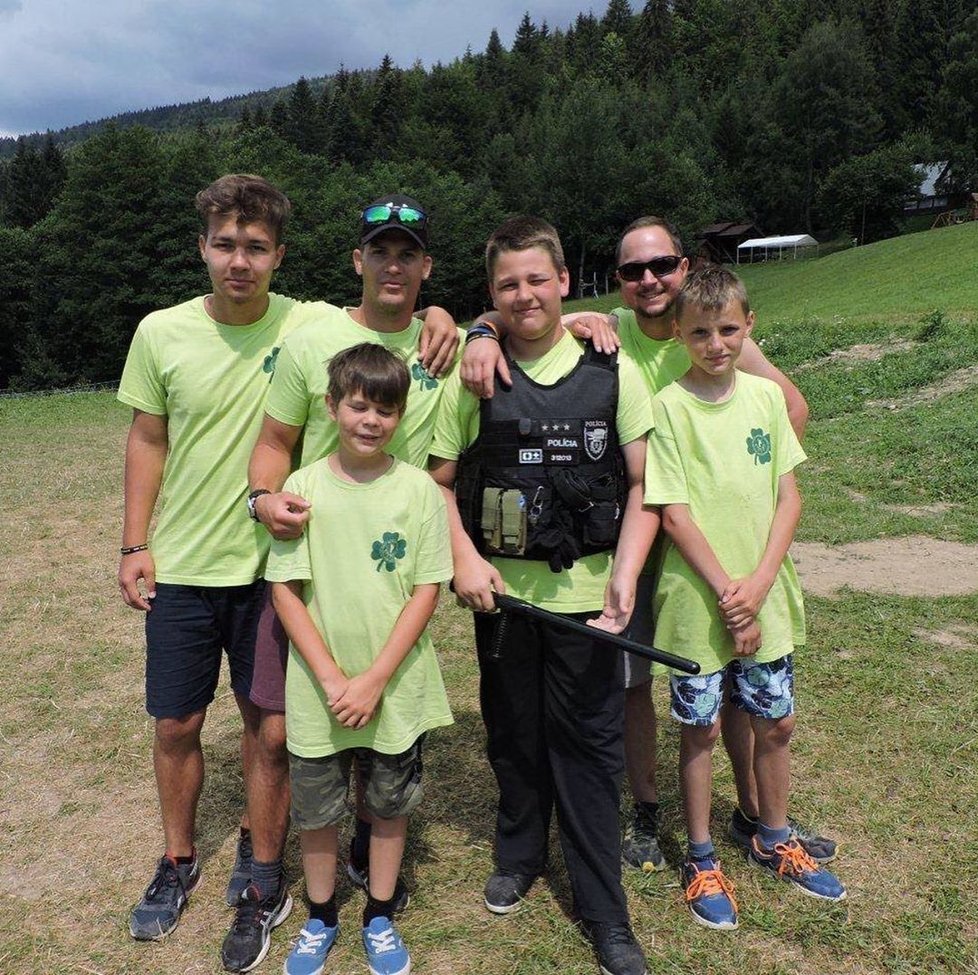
886	749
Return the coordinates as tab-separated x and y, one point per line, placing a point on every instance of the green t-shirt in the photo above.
661	361
579	589
365	548
723	460
298	392
209	380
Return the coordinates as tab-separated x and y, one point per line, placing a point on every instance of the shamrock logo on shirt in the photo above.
387	551
424	378
759	444
269	364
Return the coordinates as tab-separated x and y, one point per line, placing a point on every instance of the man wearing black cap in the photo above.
392	261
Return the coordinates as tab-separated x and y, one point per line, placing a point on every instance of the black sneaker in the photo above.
820	848
157	914
246	944
615	947
240	872
640	842
505	891
359	875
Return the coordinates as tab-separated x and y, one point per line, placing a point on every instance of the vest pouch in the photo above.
595	506
503	522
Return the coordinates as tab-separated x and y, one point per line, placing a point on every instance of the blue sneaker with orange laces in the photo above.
789	862
709	895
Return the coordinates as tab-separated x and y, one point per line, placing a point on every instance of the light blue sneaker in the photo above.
789	861
309	955
386	954
709	895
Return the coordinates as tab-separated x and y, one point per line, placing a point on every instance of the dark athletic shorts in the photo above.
271	657
187	631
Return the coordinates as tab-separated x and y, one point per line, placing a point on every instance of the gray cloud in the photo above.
68	61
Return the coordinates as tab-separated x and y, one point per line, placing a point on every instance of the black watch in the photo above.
252	498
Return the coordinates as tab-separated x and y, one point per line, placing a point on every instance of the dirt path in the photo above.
913	566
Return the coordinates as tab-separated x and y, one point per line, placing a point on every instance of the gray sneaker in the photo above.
157	914
820	848
240	872
640	842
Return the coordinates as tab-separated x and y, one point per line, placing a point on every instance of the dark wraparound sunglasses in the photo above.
659	266
408	216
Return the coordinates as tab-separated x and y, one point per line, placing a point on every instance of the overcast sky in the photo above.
68	61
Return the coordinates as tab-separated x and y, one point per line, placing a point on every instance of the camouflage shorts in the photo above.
763	690
320	785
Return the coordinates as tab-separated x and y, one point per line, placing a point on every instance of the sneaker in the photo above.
246	944
505	891
819	848
309	954
359	875
790	862
617	951
640	843
157	914
240	872
386	954
709	895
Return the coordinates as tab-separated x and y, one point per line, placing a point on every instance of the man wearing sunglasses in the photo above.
651	268
392	261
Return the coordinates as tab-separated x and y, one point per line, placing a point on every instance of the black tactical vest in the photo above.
544	480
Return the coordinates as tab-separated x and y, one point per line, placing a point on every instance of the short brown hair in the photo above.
711	289
669	228
248	197
371	370
521	234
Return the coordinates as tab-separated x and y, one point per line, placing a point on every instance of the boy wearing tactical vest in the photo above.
539	481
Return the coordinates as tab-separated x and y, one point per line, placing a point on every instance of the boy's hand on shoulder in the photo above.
283	514
742	600
359	701
475	581
747	639
480	362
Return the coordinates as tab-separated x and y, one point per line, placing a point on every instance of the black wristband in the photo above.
130	549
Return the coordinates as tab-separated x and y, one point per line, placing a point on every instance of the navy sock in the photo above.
376	908
768	837
267	877
702	851
325	912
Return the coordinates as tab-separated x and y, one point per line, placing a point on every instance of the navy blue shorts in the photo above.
188	630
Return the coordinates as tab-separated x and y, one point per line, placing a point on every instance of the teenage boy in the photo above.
196	377
651	269
355	593
392	261
546	473
721	465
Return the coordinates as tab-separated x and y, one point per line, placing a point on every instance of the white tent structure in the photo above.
790	242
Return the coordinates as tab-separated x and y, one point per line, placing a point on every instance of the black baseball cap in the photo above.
398	212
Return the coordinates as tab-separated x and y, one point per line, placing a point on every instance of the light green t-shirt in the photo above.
723	460
660	361
298	392
579	589
209	380
365	548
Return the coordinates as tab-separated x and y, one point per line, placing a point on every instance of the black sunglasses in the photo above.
659	266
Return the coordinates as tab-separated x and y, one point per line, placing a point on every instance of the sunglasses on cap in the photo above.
386	212
659	266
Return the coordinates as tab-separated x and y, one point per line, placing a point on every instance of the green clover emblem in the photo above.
387	551
269	364
759	444
424	378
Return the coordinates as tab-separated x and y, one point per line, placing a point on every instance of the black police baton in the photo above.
510	604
